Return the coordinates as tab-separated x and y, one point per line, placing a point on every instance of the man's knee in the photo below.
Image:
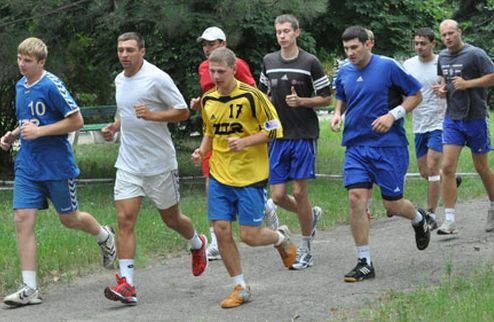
250	236
300	194
482	168
222	229
393	207
278	196
70	220
448	171
22	218
125	221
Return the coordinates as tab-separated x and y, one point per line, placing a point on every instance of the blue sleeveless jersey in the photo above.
45	102
370	93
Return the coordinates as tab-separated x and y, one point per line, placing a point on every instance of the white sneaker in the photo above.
448	227
108	251
490	221
24	296
304	259
213	253
270	216
316	215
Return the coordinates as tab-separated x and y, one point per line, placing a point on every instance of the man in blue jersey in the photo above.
296	83
376	93
45	167
468	71
370	33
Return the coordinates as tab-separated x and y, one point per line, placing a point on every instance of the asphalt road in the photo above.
167	291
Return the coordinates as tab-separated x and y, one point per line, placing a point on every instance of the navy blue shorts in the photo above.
474	134
429	140
292	160
384	166
225	202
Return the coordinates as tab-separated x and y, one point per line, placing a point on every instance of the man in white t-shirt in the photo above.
428	116
147	99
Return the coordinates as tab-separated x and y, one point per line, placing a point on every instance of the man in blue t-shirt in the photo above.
468	72
376	93
45	167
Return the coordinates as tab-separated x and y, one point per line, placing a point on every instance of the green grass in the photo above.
466	298
64	254
97	160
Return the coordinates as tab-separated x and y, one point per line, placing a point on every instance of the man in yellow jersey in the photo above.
238	123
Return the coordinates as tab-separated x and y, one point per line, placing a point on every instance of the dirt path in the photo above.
169	292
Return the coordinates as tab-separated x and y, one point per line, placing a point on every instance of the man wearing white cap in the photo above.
212	38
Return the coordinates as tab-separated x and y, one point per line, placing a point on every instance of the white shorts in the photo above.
162	189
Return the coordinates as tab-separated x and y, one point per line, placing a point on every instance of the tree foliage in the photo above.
393	22
81	35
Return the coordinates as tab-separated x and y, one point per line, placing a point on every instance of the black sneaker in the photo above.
431	221
458	181
422	231
361	272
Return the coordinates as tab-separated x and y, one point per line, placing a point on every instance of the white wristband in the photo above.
398	112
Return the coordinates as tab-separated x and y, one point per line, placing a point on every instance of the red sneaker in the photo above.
123	292
200	257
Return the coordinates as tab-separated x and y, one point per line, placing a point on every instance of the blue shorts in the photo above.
225	202
292	160
474	134
429	140
385	166
31	194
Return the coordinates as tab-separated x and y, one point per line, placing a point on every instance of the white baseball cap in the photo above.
212	33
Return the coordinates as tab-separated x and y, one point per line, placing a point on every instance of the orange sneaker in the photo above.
237	297
287	249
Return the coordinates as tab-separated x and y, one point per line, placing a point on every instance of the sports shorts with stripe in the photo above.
32	194
384	166
226	202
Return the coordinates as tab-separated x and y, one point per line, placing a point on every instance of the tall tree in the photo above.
393	22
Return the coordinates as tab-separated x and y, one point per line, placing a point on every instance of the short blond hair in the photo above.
223	55
33	47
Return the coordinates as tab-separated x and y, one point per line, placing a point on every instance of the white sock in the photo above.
239	279
195	242
281	238
214	241
305	241
102	236
364	252
492	205
432	214
29	278
127	270
449	213
418	218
